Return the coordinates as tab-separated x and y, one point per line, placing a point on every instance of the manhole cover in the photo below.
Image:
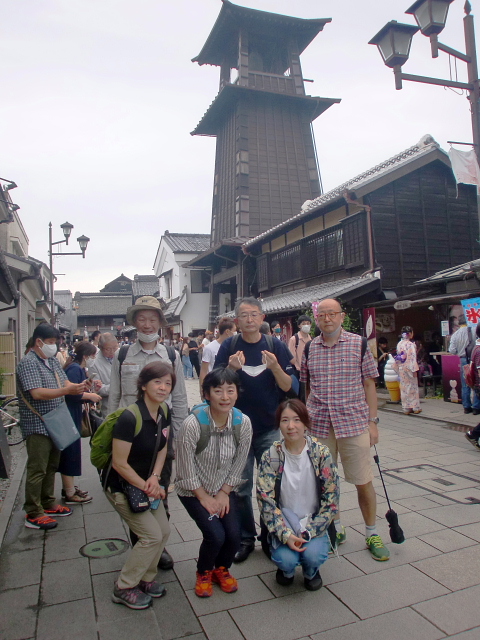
104	548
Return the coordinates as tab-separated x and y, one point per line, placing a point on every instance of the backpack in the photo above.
293	391
101	442
470	374
471	343
122	354
201	414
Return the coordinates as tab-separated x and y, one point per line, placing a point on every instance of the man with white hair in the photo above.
102	367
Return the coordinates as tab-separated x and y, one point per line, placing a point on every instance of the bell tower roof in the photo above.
221	45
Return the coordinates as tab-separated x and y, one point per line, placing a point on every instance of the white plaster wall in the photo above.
194	314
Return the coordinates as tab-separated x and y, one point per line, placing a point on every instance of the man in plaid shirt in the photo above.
41	385
342	404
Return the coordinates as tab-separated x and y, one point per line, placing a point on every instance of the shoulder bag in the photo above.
58	423
137	499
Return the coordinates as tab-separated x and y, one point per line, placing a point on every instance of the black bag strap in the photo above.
157	442
122	354
233	344
171	354
297	340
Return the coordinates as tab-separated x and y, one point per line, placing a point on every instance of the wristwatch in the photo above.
374	420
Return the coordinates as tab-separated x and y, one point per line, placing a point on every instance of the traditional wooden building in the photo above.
401	221
265	164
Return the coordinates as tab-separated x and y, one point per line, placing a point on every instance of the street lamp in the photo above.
431	16
82	241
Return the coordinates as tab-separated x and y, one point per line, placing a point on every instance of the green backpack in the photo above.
101	442
200	413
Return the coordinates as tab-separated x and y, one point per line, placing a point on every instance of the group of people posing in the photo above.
248	416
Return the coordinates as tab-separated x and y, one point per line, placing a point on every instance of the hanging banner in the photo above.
472	311
369	329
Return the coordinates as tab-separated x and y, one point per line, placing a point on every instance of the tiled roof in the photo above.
303	298
145	286
174	306
453	273
100	305
425	146
188	242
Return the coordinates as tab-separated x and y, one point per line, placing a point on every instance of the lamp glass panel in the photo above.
402	43
385	46
440	11
422	15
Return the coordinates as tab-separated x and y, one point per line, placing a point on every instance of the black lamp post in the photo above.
82	241
393	42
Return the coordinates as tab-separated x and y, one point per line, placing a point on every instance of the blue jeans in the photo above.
466	391
315	554
260	442
187	367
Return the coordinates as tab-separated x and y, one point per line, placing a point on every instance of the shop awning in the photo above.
347	290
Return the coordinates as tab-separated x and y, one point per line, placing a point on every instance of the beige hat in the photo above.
147	303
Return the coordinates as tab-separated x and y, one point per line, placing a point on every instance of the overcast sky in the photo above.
99	97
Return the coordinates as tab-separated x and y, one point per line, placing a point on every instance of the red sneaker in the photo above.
203	587
41	522
224	578
58	510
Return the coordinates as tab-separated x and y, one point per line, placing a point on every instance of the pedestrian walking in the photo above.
70	464
187	365
101	368
461	344
226	329
339	373
298	494
209	475
407	367
137	460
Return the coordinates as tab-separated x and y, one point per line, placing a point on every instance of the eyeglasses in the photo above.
331	314
255	314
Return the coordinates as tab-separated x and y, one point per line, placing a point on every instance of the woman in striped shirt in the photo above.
212	449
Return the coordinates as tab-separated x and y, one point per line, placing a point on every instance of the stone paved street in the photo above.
429	589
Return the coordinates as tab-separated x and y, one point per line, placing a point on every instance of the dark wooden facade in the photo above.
406	225
265	165
422	224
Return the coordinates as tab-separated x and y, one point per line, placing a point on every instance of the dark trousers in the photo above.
221	536
476	431
42	465
195	362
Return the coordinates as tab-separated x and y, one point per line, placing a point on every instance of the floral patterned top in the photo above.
408	348
269	479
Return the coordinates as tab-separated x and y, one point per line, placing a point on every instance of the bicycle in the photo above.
11	423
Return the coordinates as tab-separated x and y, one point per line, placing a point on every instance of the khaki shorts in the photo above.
355	455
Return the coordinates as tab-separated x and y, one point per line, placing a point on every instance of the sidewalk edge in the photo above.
425	417
10	498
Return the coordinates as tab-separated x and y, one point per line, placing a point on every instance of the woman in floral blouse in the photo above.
298	494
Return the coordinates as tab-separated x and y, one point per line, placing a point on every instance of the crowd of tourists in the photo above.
288	410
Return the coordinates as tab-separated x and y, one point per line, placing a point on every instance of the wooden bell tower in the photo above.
265	165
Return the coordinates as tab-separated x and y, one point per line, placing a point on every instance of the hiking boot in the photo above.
59	511
473	441
282	579
153	589
79	497
203	586
224	579
313	584
40	522
376	547
131	598
341	536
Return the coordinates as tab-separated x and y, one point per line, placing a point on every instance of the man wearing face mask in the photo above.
147	317
101	368
297	342
42	385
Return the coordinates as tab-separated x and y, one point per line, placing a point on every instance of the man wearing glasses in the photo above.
262	375
342	403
